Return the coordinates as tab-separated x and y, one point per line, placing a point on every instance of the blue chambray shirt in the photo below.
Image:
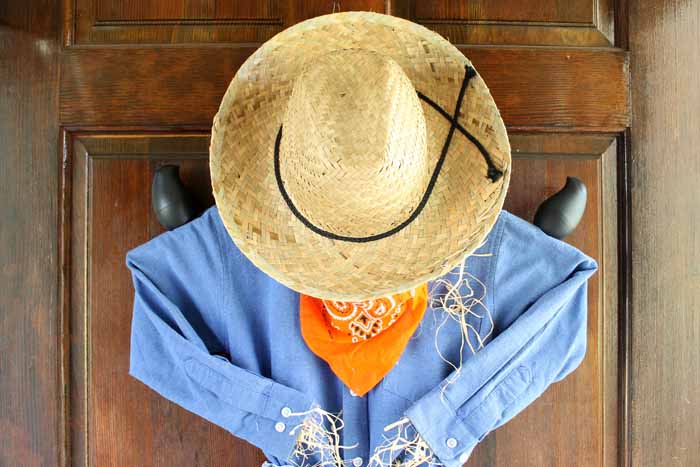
219	337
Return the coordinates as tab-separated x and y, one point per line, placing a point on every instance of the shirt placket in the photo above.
356	429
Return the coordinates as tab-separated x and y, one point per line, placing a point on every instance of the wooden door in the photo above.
139	85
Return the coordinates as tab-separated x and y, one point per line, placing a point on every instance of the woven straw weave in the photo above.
358	148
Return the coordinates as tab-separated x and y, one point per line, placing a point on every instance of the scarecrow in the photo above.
358	296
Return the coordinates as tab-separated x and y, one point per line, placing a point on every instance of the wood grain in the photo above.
546	11
584	23
29	329
188	9
665	368
544	89
101	22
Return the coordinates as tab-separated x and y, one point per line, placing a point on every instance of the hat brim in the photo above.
462	208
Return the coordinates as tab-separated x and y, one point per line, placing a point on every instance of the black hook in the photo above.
172	203
560	214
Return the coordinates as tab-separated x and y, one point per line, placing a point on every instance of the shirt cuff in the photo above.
438	424
452	433
278	419
273	404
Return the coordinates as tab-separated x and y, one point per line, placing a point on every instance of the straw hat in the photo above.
337	165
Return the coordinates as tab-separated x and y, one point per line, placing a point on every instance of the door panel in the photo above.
193	21
585	23
117	420
140	83
577	416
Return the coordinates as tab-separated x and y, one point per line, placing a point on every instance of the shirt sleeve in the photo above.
176	331
540	311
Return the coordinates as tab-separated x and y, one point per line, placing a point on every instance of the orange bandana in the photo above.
362	341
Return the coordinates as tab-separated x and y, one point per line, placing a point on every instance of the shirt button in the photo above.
451	443
464	458
353	394
286	412
280	427
357	462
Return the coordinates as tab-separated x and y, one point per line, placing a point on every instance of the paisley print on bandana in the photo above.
362	320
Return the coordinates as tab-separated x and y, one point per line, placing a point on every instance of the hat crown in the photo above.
353	154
